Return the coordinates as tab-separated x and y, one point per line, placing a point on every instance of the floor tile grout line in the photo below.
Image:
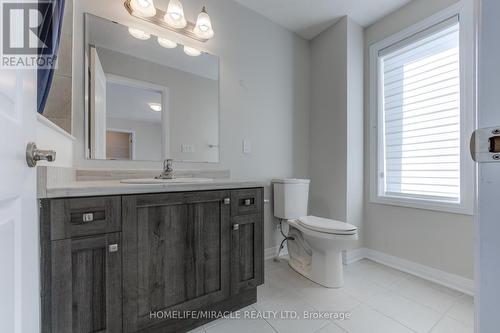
272	327
453	305
389	317
427	306
405	325
437	323
390	287
326	324
417	302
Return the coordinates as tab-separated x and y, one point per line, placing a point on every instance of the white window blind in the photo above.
419	101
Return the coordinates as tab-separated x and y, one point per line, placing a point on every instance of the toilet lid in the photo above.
327	226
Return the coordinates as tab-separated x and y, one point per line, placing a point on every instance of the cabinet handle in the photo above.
88	217
236	226
248	202
113	248
227	201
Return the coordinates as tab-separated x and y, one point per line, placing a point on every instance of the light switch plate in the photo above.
187	148
247	146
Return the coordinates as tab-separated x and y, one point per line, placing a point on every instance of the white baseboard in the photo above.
271	252
352	256
449	280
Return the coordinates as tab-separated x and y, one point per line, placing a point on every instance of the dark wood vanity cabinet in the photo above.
144	260
86	284
176	254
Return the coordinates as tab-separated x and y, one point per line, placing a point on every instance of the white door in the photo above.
97	107
19	256
488	211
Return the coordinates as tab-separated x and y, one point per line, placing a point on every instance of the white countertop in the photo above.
114	187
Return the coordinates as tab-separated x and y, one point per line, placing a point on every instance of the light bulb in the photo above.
191	51
203	28
155	107
167	43
139	34
175	15
144	8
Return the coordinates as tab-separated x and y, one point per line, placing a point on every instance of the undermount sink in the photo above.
166	181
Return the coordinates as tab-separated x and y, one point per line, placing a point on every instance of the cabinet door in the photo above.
86	288
176	254
247	264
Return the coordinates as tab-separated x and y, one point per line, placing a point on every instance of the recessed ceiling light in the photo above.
155	107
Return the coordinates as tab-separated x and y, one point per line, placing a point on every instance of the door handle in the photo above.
33	155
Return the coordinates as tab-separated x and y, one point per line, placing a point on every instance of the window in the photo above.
419	120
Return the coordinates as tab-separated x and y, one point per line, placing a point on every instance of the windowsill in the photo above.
423	204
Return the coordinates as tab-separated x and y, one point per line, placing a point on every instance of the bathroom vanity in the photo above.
122	251
133	258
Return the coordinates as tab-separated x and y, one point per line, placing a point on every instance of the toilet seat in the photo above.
328	226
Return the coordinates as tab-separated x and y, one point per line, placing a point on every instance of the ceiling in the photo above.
308	18
126	102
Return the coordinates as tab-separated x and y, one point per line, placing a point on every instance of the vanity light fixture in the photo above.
167	43
175	15
155	107
173	19
203	28
144	8
139	34
191	51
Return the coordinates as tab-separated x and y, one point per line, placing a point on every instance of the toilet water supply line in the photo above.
285	238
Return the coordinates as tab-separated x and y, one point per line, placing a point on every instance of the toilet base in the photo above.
325	269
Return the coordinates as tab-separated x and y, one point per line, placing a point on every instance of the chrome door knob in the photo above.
33	155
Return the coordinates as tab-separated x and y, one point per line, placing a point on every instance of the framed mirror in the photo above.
146	102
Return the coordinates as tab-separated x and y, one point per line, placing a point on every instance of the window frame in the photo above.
464	11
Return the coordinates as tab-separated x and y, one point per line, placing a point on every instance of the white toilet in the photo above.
317	245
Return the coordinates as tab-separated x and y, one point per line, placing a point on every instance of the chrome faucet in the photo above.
168	170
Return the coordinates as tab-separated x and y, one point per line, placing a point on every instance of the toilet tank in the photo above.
291	198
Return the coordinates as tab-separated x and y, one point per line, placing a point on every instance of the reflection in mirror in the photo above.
133	121
148	102
58	103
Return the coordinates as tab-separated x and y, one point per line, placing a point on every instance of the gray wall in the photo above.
264	92
328	123
440	240
355	122
336	123
148	136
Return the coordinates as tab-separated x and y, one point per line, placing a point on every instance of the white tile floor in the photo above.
379	299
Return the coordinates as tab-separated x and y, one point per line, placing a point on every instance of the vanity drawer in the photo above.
77	217
247	201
